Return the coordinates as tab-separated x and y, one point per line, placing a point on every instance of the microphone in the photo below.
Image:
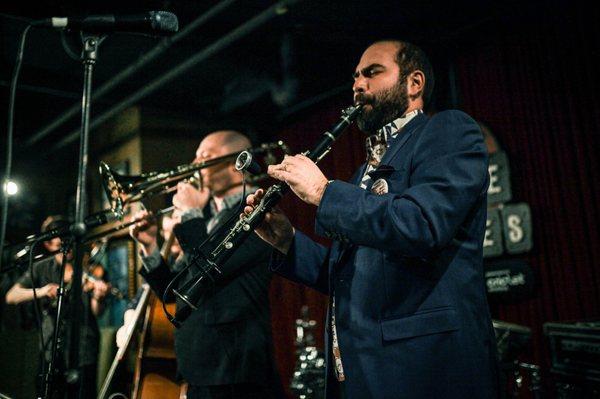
245	163
100	218
152	22
91	221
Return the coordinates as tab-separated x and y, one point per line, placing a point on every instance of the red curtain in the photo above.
538	93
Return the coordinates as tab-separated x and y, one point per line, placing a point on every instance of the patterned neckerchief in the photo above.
379	142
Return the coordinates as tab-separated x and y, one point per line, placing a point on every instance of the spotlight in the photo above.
11	188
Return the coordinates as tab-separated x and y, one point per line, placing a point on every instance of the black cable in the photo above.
170	317
242	200
15	18
67	47
9	139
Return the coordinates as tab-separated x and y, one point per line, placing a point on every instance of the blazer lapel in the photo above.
340	249
403	137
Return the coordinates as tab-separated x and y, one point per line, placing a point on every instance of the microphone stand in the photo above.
78	230
50	372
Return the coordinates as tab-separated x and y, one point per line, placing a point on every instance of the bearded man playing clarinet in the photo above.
408	315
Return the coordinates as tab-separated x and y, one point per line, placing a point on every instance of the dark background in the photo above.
528	71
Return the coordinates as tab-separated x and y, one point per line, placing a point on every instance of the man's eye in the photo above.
370	72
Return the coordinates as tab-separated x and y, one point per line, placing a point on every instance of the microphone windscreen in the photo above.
164	21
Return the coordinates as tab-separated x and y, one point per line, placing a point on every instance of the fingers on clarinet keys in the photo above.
253	199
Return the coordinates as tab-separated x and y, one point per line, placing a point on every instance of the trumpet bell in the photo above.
112	187
124	189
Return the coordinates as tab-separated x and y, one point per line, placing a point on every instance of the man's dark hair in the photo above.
411	58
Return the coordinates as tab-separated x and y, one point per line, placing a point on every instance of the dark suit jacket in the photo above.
228	339
411	312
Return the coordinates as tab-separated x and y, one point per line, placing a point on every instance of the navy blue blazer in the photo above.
406	267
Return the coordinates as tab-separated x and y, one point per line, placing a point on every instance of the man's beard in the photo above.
387	106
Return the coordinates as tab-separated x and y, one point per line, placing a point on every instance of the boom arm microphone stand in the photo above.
78	229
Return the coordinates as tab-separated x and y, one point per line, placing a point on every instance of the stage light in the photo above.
11	188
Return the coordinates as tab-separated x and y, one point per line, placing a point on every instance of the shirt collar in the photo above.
229	201
392	128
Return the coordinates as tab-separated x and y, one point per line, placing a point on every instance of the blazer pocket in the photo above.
398	181
426	322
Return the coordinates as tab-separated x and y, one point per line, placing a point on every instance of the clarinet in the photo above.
206	264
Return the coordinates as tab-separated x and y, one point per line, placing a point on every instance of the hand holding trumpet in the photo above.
145	231
189	197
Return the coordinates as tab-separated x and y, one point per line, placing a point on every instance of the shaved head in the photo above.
221	177
231	140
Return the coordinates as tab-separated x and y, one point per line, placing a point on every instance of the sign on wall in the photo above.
499	190
508	226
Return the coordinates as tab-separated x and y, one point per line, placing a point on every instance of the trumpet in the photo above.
122	190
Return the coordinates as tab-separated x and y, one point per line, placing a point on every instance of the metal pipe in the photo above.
273	11
160	48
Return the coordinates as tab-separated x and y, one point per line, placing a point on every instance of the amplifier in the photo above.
575	349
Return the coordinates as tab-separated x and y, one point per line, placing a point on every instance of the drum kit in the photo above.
511	341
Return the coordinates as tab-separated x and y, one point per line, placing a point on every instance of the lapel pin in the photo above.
380	187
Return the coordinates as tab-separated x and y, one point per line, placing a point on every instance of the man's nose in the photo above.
360	85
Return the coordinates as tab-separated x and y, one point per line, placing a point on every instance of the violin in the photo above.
95	271
90	279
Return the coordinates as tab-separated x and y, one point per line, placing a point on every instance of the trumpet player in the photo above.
46	279
224	349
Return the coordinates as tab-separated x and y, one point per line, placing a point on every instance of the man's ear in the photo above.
416	84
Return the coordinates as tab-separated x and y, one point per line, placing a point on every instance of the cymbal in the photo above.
503	325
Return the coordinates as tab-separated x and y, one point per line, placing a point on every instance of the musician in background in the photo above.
408	314
46	279
171	252
224	349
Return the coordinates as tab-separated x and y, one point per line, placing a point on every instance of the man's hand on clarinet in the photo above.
303	176
276	228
